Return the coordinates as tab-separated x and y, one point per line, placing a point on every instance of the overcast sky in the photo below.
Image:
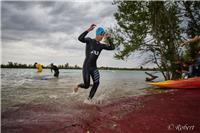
47	32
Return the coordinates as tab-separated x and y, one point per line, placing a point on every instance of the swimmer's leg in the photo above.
86	79
95	77
56	74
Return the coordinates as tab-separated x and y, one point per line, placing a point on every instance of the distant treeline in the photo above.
67	66
20	65
136	69
16	65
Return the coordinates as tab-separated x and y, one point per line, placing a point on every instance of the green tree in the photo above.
10	64
191	13
76	67
152	28
67	65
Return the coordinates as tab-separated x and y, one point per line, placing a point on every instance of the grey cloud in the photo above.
23	16
58	16
54	26
20	20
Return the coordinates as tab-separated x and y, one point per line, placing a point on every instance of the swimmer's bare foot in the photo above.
76	89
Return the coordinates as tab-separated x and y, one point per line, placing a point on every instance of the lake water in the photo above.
23	86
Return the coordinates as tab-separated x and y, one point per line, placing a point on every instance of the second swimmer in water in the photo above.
56	70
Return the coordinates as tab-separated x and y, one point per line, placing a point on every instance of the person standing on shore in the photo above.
93	50
194	68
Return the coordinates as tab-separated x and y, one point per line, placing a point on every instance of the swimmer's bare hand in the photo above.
106	35
91	27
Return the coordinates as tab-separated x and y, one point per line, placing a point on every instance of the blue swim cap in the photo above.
100	31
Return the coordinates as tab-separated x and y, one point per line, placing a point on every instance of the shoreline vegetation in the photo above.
67	66
159	29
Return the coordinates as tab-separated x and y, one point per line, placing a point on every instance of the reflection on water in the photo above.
22	86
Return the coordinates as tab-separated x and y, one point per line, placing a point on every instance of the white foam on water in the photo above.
86	101
21	82
93	101
73	93
53	96
100	99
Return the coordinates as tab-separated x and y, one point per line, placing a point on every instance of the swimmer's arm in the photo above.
82	38
196	38
109	46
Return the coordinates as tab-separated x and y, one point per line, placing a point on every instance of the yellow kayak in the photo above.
179	84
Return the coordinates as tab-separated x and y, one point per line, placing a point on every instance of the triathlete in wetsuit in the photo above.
56	70
93	50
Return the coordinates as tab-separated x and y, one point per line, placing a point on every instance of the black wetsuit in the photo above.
56	70
93	50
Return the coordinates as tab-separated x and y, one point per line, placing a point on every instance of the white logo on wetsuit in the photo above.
95	52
